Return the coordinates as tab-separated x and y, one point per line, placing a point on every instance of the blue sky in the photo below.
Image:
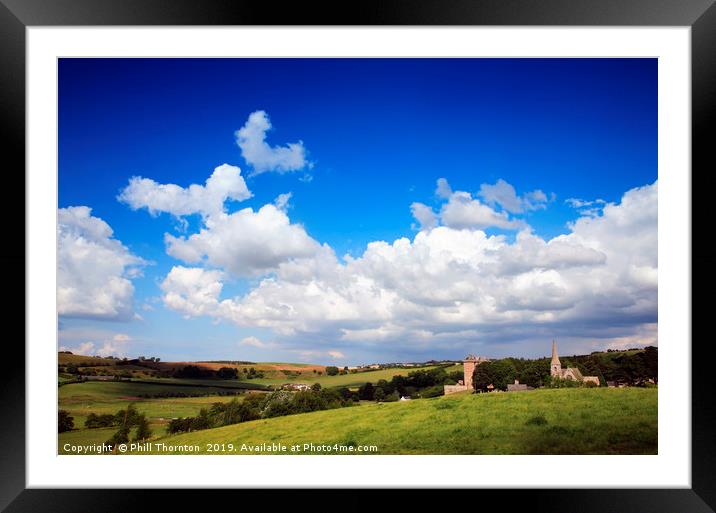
377	134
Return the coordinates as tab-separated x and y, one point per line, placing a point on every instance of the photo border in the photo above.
700	15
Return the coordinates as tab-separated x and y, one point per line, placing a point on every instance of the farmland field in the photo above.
81	399
346	380
272	373
548	421
103	397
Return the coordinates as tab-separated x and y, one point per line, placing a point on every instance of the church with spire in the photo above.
573	373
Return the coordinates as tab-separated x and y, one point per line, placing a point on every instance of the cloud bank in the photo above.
451	282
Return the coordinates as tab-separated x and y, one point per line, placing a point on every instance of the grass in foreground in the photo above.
558	421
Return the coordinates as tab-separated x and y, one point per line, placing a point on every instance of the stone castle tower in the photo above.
469	363
556	365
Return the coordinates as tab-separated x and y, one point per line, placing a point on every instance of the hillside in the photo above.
269	373
549	421
81	399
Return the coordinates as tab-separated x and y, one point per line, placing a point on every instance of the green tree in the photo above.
392	397
366	392
316	387
435	391
277	404
379	395
535	373
64	421
307	401
98	421
504	373
651	362
120	437
128	417
482	377
143	430
497	372
331	370
227	373
345	393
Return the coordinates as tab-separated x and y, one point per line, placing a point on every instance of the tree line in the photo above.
126	420
420	383
633	368
262	406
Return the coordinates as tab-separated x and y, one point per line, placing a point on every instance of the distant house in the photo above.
295	386
490	387
518	387
404	398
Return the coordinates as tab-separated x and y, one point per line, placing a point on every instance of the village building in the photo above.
556	371
469	364
571	373
518	387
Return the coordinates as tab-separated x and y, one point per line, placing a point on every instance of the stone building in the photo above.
469	363
573	373
518	387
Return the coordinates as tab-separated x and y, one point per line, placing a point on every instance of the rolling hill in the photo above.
548	421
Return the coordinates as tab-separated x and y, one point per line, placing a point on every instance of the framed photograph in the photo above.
414	247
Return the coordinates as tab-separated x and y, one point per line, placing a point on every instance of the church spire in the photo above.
555	358
555	368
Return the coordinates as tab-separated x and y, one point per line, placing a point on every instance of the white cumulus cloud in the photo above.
251	138
225	183
282	201
424	215
192	291
252	341
443	189
504	194
464	211
93	268
245	243
112	346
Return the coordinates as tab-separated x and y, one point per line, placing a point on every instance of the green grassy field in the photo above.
81	399
102	397
131	390
158	412
194	384
548	421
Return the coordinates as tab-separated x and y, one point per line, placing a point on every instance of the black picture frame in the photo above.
700	15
